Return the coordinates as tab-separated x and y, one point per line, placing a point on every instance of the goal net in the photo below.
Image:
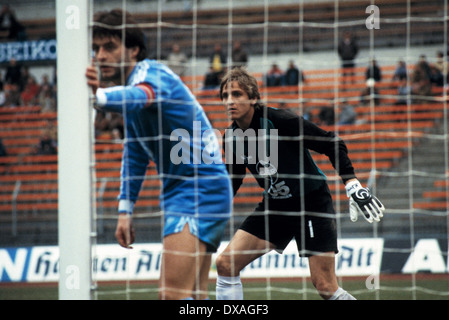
387	100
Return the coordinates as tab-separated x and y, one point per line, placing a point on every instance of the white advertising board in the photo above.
111	262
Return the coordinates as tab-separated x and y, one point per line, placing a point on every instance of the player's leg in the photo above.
322	273
183	257
320	235
200	290
242	250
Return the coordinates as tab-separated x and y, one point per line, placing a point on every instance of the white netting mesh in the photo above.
398	143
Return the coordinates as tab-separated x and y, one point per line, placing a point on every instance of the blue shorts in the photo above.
209	231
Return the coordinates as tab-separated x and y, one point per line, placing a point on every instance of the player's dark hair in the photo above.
111	24
247	83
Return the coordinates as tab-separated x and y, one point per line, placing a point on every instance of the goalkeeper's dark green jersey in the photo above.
294	173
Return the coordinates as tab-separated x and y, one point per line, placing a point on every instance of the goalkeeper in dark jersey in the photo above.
296	200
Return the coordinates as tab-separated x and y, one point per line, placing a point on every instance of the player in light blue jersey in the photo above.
165	124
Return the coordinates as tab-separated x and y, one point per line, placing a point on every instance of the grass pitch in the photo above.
391	287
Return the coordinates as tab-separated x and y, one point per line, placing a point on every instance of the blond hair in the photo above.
245	81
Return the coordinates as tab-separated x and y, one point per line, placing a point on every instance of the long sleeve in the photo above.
327	143
134	166
124	98
128	100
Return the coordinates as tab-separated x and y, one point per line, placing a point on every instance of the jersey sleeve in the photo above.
124	99
327	143
134	166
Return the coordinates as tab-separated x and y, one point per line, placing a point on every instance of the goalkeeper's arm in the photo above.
362	201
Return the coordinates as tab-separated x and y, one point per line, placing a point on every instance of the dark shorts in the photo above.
314	229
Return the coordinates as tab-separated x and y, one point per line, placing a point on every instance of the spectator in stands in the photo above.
2	92
211	80
274	76
45	81
107	122
373	71
348	50
13	78
55	87
400	72
441	64
176	60
9	23
293	76
116	134
100	123
438	70
309	115
46	99
48	142
347	114
12	96
217	67
217	59
116	123
424	63
326	116
421	79
25	75
404	91
3	152
13	74
239	56
436	77
30	93
370	92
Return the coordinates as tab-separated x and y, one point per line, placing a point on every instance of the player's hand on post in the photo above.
93	79
124	232
363	202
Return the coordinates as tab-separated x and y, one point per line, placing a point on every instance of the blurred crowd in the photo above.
20	88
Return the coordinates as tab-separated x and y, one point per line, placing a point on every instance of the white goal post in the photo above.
75	157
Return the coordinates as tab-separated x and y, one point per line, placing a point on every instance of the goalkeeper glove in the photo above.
361	201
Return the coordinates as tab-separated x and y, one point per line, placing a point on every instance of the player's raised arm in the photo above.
118	98
124	98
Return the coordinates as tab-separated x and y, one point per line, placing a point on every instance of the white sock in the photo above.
229	288
341	294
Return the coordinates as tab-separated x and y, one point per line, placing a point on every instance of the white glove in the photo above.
361	201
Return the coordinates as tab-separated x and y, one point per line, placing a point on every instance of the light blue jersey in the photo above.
164	123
